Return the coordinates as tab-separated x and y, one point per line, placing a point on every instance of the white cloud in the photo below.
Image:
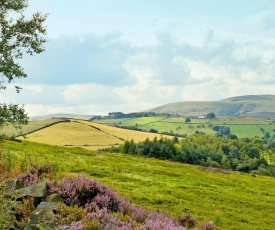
161	74
142	68
134	56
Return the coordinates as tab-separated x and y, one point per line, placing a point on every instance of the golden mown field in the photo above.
85	134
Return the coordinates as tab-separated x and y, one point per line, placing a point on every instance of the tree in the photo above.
267	135
187	120
211	115
18	36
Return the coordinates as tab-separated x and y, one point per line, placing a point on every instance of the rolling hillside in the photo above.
85	134
230	200
250	105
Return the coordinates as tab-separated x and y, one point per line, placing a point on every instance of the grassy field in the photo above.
240	126
229	200
85	134
132	121
32	125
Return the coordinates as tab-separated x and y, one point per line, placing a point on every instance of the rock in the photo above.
35	190
11	186
42	216
46	205
54	198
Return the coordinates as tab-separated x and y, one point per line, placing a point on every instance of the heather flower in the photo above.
208	226
157	221
35	174
139	214
83	191
73	226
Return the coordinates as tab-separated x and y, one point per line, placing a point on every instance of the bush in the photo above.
35	174
187	221
214	164
87	193
6	207
153	131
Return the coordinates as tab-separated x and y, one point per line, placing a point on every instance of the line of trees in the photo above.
219	152
130	115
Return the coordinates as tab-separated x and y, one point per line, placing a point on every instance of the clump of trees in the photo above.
221	130
130	115
211	115
187	120
247	155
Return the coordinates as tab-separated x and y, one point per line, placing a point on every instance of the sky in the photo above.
132	55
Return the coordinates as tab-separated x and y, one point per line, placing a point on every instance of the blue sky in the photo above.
132	55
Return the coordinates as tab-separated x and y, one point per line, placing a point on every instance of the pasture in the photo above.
230	200
31	126
240	126
85	134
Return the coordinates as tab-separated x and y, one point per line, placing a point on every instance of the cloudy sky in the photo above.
132	55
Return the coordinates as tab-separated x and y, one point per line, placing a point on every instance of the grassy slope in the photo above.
32	125
230	200
86	134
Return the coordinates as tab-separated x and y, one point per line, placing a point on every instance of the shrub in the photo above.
214	164
23	211
187	221
208	226
86	192
68	215
6	207
35	174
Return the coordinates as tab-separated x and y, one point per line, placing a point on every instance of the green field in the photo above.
132	121
240	126
228	199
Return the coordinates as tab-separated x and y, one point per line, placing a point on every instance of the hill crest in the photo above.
247	105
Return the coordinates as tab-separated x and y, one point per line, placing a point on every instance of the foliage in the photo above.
12	114
35	174
267	135
217	152
87	193
153	131
90	205
161	149
23	211
6	206
187	221
18	35
130	115
67	215
211	115
187	120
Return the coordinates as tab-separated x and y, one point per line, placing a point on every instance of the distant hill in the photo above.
249	105
61	115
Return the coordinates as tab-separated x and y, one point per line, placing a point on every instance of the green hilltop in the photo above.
249	105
